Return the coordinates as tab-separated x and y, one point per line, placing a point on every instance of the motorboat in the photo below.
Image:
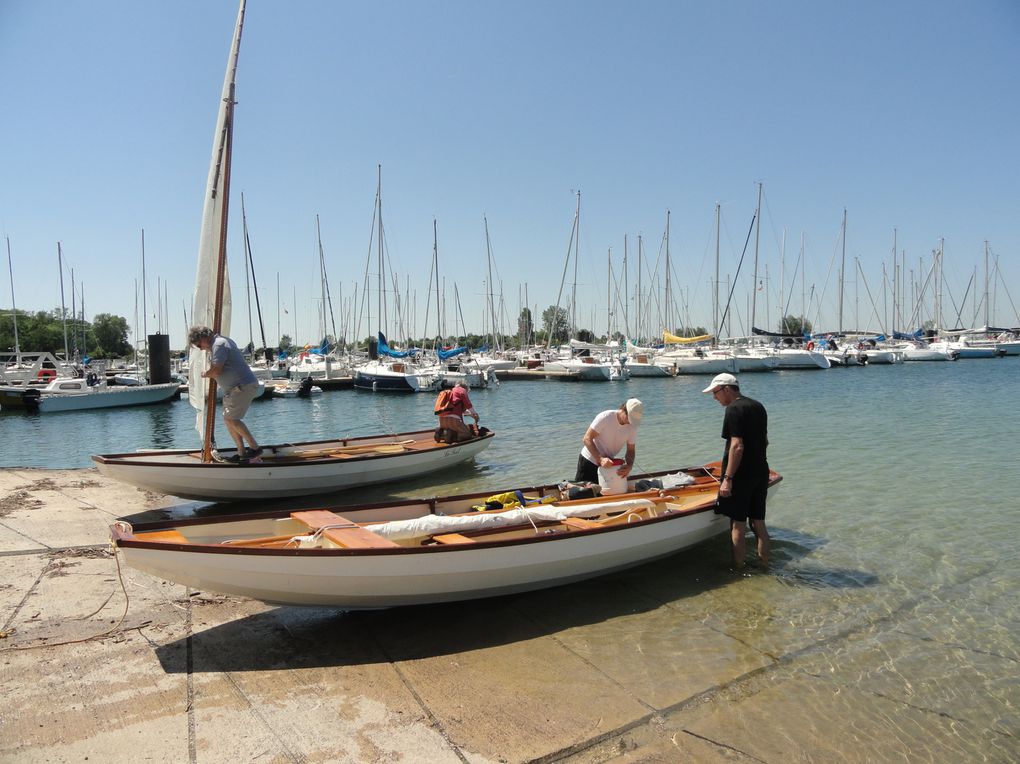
81	393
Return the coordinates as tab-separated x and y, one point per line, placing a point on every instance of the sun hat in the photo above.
720	380
635	410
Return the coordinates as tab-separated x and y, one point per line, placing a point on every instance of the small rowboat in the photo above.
427	550
291	469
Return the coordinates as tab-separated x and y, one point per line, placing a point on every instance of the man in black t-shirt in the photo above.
745	467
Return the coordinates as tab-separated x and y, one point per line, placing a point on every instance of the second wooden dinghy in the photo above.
291	469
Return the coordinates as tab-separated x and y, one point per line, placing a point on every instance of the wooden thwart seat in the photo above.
580	523
350	535
453	538
166	537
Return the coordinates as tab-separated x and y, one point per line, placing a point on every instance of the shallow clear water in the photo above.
895	545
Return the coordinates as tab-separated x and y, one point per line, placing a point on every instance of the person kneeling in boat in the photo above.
610	431
232	373
451	416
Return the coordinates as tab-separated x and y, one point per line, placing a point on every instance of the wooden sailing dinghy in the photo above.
290	469
426	550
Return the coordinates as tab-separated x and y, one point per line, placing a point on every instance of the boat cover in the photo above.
385	349
430	525
904	336
667	337
445	355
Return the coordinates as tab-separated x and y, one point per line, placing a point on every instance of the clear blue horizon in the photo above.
903	114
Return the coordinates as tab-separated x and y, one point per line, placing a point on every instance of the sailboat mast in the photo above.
63	310
14	307
670	324
715	292
842	268
380	307
626	292
609	295
491	295
986	286
757	235
573	289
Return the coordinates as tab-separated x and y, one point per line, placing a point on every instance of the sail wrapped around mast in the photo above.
204	306
385	349
673	339
445	355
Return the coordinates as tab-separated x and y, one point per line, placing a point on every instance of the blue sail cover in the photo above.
323	348
445	355
902	336
385	349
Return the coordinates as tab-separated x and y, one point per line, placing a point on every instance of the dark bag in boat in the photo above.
646	484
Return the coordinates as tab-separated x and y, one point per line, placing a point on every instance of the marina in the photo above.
888	619
287	544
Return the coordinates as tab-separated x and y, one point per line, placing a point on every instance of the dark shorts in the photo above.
586	471
748	499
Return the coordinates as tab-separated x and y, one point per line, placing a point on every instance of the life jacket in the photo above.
443	401
512	499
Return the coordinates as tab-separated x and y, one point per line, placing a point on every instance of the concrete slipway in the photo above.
676	661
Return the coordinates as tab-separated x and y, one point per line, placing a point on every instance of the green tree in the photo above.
794	325
586	335
554	320
525	326
110	333
691	331
285	342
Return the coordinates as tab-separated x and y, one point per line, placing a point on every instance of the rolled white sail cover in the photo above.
429	525
203	306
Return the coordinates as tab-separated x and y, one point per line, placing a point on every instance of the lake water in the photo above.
895	538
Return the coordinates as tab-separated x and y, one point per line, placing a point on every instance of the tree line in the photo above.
105	336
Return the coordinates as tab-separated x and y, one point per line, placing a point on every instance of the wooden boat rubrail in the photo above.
426	550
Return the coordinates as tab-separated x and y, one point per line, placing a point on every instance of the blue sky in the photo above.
906	114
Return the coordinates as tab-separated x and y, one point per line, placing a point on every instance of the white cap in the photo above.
720	380
635	410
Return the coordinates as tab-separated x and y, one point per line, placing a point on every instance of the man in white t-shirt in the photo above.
609	432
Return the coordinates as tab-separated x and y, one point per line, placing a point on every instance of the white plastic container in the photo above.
610	481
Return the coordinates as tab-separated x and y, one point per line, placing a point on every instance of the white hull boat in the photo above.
586	368
75	394
700	361
796	358
394	377
921	352
425	551
967	351
750	360
292	469
292	389
881	356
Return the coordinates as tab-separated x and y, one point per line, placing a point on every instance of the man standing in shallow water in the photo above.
745	468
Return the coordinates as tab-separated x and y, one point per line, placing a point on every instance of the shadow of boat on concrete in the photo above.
295	638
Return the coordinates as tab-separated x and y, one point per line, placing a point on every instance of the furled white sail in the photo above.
431	524
214	221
